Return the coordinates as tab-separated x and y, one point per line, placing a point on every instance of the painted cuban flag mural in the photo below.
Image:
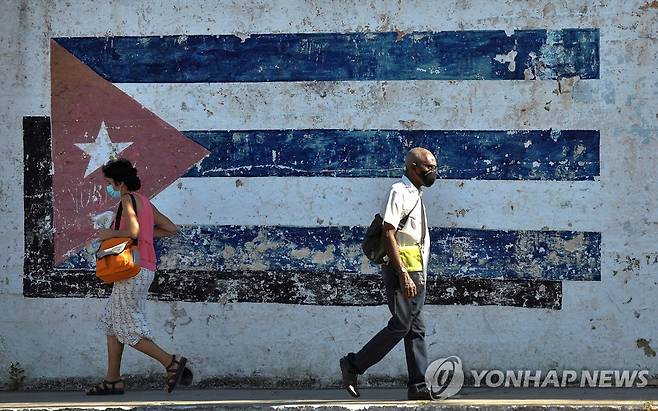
275	213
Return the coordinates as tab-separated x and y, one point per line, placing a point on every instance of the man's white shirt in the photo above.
401	201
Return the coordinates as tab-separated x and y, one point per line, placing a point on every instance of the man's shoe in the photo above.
422	394
349	378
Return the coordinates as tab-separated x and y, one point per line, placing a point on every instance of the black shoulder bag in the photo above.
373	244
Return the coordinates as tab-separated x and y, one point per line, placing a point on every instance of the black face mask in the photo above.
428	178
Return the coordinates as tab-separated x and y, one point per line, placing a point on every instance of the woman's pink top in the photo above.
146	221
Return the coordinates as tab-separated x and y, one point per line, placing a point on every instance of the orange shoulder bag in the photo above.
118	258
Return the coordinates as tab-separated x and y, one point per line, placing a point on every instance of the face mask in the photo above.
113	192
428	178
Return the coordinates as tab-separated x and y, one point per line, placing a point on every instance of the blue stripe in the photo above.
456	252
566	155
446	55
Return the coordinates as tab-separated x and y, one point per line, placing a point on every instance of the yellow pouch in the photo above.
411	258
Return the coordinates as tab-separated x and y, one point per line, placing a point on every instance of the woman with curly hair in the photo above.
123	319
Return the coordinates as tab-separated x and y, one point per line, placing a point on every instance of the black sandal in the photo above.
187	377
178	372
103	388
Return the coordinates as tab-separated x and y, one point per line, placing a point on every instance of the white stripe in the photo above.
326	201
451	105
203	17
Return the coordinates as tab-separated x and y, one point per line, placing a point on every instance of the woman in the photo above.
124	320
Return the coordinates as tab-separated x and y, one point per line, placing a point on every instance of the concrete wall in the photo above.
543	116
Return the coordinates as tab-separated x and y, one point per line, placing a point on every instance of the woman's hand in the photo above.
105	233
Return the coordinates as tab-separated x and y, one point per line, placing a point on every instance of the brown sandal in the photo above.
103	388
173	380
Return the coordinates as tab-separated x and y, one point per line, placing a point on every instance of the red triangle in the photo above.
81	101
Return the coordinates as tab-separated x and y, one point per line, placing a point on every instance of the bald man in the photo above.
407	247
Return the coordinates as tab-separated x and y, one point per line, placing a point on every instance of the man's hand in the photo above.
407	285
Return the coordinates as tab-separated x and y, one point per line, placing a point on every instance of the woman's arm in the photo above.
163	225
129	215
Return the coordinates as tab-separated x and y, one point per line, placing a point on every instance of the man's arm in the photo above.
395	262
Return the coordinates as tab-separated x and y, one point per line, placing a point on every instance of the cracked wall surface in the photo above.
545	222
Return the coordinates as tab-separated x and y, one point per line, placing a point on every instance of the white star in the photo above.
102	150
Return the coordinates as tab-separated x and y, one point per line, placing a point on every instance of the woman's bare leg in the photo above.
151	349
114	354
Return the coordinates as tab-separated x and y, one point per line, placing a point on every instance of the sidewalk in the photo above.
381	399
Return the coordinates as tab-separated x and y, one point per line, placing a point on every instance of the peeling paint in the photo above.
307	288
566	85
644	344
649	5
460	213
326	256
618	192
243	36
441	55
302	253
178	317
461	154
454	252
508	58
202	285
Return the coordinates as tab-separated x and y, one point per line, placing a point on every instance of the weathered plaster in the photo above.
599	324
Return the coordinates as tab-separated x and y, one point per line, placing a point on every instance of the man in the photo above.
404	276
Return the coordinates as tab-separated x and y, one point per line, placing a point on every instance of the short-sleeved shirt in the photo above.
401	201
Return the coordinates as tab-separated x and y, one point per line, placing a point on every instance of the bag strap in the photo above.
423	223
404	219
117	220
